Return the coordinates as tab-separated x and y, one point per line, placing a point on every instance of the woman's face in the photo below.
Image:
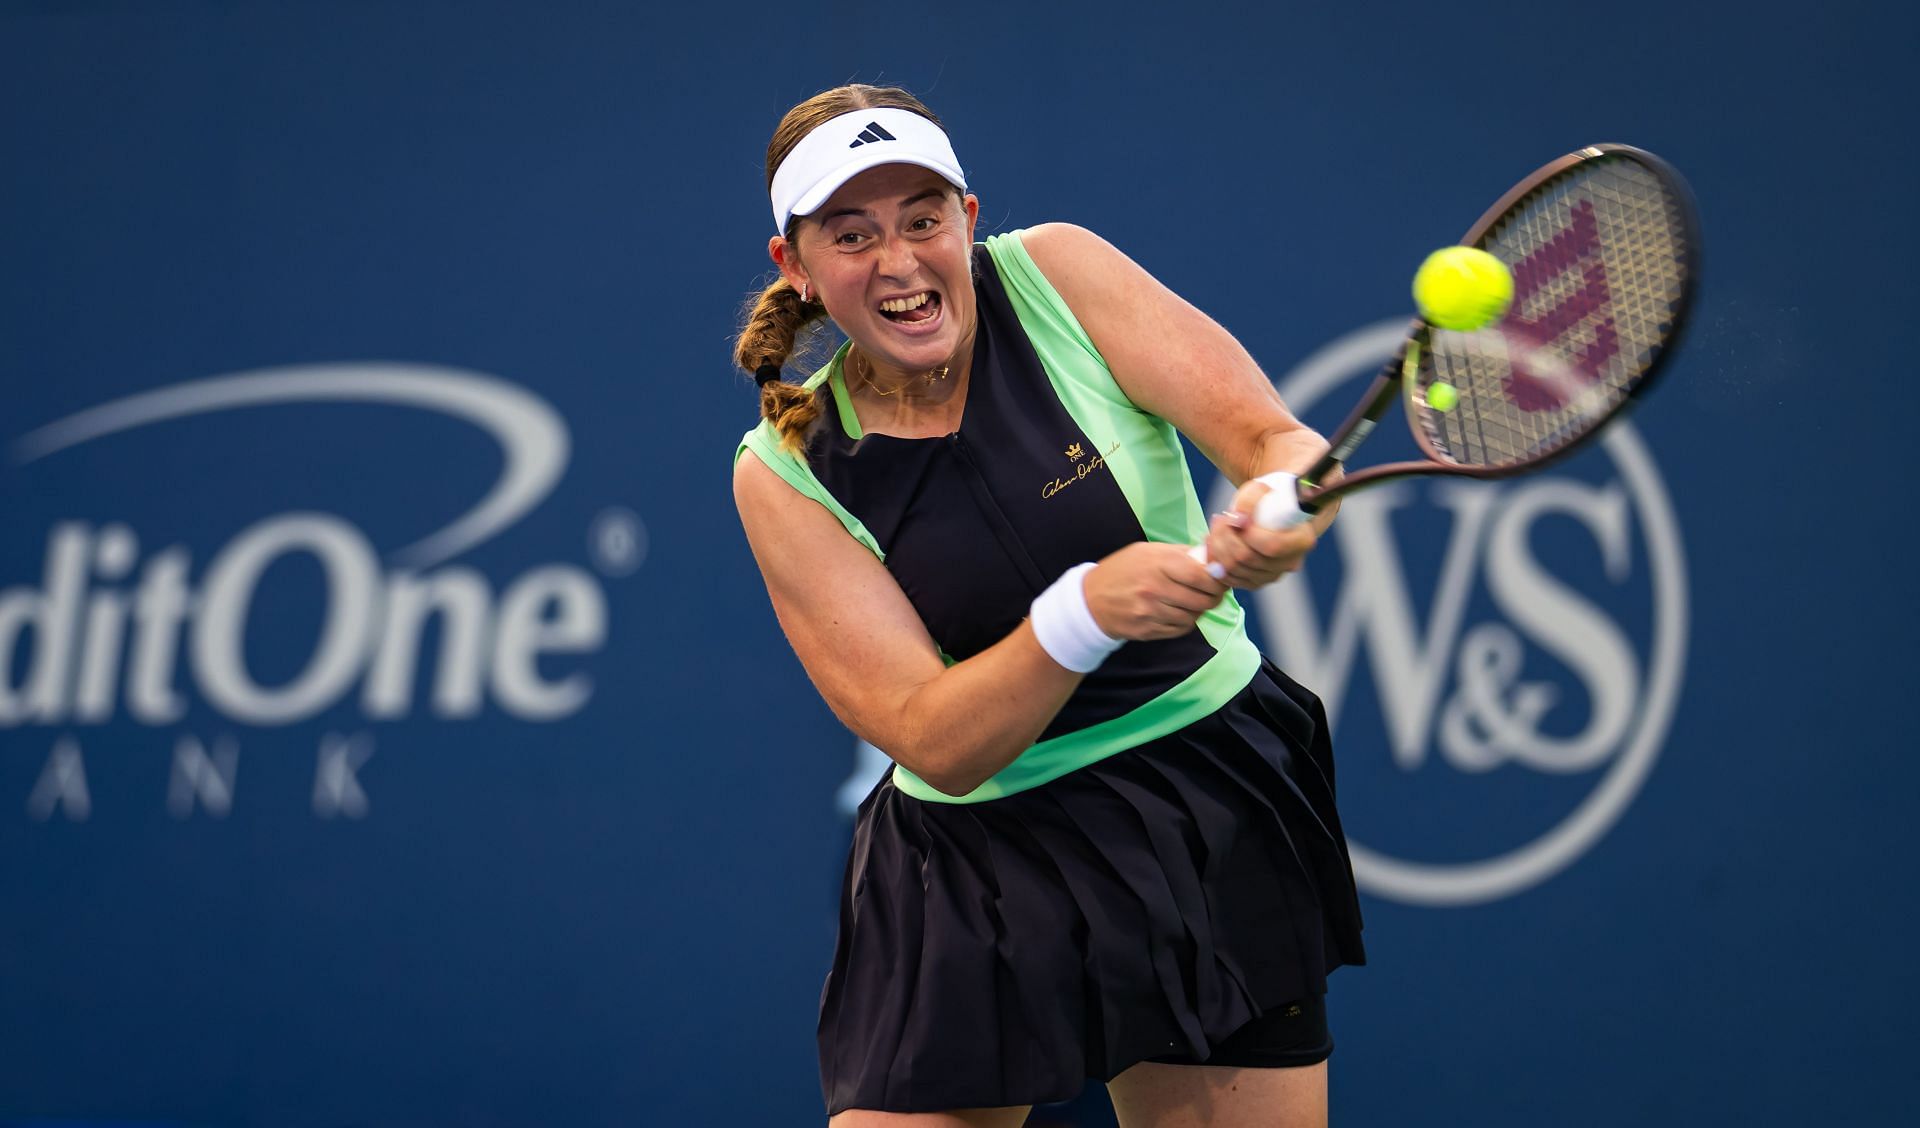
890	255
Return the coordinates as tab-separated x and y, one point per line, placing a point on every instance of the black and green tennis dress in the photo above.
1165	865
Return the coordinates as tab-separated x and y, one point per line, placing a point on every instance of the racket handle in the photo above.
1199	554
1278	508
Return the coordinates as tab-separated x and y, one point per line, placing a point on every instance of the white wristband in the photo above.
1065	626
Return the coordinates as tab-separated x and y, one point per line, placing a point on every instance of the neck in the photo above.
891	385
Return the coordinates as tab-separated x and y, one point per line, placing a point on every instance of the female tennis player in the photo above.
1109	846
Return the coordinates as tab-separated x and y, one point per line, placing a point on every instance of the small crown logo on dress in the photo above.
1075	452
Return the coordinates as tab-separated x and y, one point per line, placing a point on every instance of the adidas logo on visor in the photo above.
872	132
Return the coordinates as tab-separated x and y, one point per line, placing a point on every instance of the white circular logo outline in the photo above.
1454	884
533	437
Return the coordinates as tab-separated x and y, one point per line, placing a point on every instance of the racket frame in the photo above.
1394	378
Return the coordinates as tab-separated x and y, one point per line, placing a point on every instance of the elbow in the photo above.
952	769
948	778
952	754
954	785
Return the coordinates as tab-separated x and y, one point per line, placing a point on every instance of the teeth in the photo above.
902	305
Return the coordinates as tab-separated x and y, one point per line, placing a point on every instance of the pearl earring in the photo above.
803	292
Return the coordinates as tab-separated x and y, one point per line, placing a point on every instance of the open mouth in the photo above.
912	310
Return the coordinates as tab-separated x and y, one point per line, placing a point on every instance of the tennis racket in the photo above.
1603	245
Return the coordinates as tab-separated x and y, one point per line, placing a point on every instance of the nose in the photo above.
897	259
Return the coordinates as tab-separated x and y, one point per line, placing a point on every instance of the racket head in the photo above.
1604	247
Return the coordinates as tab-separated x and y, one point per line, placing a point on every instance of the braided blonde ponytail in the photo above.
767	340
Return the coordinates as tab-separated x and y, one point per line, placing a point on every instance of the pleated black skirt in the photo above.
1145	906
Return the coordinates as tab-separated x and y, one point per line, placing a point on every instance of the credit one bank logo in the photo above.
124	626
1540	678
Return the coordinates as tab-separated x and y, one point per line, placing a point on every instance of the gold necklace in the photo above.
867	376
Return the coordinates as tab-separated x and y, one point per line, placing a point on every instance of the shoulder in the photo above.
1067	266
765	469
758	486
1066	250
767	481
1101	286
762	458
766	476
1092	276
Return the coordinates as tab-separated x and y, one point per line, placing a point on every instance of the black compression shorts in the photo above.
1285	1037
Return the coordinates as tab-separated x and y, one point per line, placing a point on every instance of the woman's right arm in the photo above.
871	658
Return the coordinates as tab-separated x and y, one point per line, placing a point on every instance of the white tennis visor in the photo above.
842	148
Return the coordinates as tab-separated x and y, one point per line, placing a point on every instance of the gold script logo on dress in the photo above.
1082	466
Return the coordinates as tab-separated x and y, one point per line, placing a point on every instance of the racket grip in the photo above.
1278	508
1199	554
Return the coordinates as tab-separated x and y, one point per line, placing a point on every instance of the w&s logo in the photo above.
1500	660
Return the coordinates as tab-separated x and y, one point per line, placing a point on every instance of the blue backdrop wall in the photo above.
393	727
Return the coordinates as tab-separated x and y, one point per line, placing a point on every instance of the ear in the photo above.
787	259
971	203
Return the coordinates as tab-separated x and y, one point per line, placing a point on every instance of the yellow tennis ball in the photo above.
1462	288
1442	396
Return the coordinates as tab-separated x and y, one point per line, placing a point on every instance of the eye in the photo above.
848	239
924	223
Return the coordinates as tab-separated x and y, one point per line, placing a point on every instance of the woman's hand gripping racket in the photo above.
1603	246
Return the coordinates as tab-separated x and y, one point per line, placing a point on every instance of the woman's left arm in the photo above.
1177	363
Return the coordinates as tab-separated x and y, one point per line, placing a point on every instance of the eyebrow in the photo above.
906	203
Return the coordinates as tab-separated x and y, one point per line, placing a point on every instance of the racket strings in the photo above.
1599	262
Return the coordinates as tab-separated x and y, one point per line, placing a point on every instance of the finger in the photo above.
1260	570
1196	600
1266	569
1275	543
1248	579
1206	552
1228	546
1151	610
1148	627
1247	496
1172	628
1190	602
1229	522
1206	583
1184	568
1168	602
